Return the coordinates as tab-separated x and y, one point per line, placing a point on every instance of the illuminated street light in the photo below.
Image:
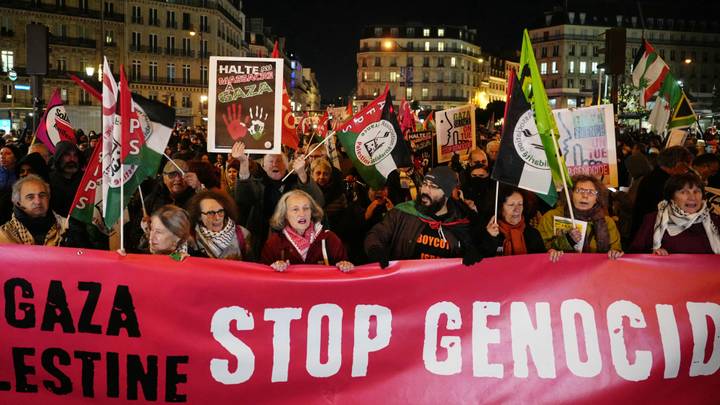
388	44
680	83
89	70
203	98
481	60
687	61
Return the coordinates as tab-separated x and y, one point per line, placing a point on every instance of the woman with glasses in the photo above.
213	222
589	204
683	223
299	237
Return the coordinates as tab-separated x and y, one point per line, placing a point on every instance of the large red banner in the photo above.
83	326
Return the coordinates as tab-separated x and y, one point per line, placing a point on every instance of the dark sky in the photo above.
325	35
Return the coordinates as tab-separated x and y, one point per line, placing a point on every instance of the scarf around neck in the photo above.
34	231
673	220
302	243
514	243
596	217
221	244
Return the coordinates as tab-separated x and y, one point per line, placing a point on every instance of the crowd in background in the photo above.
239	207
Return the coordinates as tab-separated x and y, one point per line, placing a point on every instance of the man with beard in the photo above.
65	176
32	223
257	197
433	226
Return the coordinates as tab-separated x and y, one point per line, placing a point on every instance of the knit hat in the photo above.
444	177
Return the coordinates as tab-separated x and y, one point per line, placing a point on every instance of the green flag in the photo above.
534	91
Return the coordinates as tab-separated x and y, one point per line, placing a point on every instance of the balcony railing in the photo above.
71	41
4	32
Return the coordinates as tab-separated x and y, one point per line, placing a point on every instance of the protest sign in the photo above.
84	326
455	132
422	146
565	225
245	104
587	141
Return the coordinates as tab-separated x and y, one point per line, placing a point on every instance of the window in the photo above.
571	52
170	20
135	71
672	54
186	74
441	62
441	46
170	45
378	31
408	93
424	92
152	71
583	50
394	31
441	32
583	67
426	77
571	83
409	61
582	83
63	95
394	76
376	76
136	15
378	62
171	73
426	32
543	68
8	60
554	67
365	76
136	41
186	46
594	67
427	46
543	52
186	101
410	32
453	61
439	92
62	64
556	50
426	61
153	17
153	42
109	37
204	26
596	51
571	67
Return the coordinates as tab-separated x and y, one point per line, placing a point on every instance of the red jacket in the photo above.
278	247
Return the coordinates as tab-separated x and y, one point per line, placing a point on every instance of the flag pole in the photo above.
497	191
174	164
562	175
142	202
331	134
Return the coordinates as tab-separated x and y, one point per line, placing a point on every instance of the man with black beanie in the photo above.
433	226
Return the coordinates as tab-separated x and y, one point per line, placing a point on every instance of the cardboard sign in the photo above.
455	132
245	104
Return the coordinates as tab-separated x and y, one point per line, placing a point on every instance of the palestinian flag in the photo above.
672	107
374	142
521	159
534	90
649	71
54	124
156	120
87	204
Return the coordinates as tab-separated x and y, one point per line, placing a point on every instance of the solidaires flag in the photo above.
534	90
374	142
521	159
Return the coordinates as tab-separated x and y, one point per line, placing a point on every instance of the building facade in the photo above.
438	66
568	51
165	47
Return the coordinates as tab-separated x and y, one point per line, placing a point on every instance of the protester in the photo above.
65	176
229	180
32	222
492	148
706	166
299	236
33	163
42	149
432	226
671	161
589	204
216	234
9	157
683	222
170	232
476	185
257	197
509	234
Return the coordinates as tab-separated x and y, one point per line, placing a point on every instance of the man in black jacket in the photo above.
433	226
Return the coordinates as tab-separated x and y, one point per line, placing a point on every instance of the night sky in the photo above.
325	35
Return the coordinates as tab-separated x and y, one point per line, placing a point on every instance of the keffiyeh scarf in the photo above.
673	220
302	243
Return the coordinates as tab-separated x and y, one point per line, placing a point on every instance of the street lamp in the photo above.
406	72
688	61
89	70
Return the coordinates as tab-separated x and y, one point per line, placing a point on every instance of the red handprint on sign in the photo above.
236	126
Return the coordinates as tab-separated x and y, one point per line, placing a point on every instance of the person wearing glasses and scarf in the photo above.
588	204
683	223
298	236
216	234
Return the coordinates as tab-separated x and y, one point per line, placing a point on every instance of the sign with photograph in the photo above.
245	104
455	132
587	141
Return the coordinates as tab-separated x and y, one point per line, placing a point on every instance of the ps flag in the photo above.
55	125
521	160
374	142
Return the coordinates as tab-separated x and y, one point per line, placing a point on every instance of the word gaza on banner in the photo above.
455	132
94	327
245	104
587	141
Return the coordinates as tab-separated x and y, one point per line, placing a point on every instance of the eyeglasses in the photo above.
172	175
430	185
219	213
585	192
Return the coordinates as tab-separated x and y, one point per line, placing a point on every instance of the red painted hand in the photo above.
236	126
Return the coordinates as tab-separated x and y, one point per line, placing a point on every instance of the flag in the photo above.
88	203
54	124
521	159
672	107
429	120
322	128
132	135
649	71
155	120
374	142
534	91
290	137
406	118
349	112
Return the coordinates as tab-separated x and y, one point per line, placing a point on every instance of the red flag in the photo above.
54	124
322	128
87	87
428	120
405	117
132	135
275	52
289	134
350	109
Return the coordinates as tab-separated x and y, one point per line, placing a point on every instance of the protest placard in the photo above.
455	132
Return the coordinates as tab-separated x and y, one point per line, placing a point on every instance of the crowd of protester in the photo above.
239	207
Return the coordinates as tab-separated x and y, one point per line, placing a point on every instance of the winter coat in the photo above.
278	247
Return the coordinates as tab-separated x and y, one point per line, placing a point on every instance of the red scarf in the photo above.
302	242
514	243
